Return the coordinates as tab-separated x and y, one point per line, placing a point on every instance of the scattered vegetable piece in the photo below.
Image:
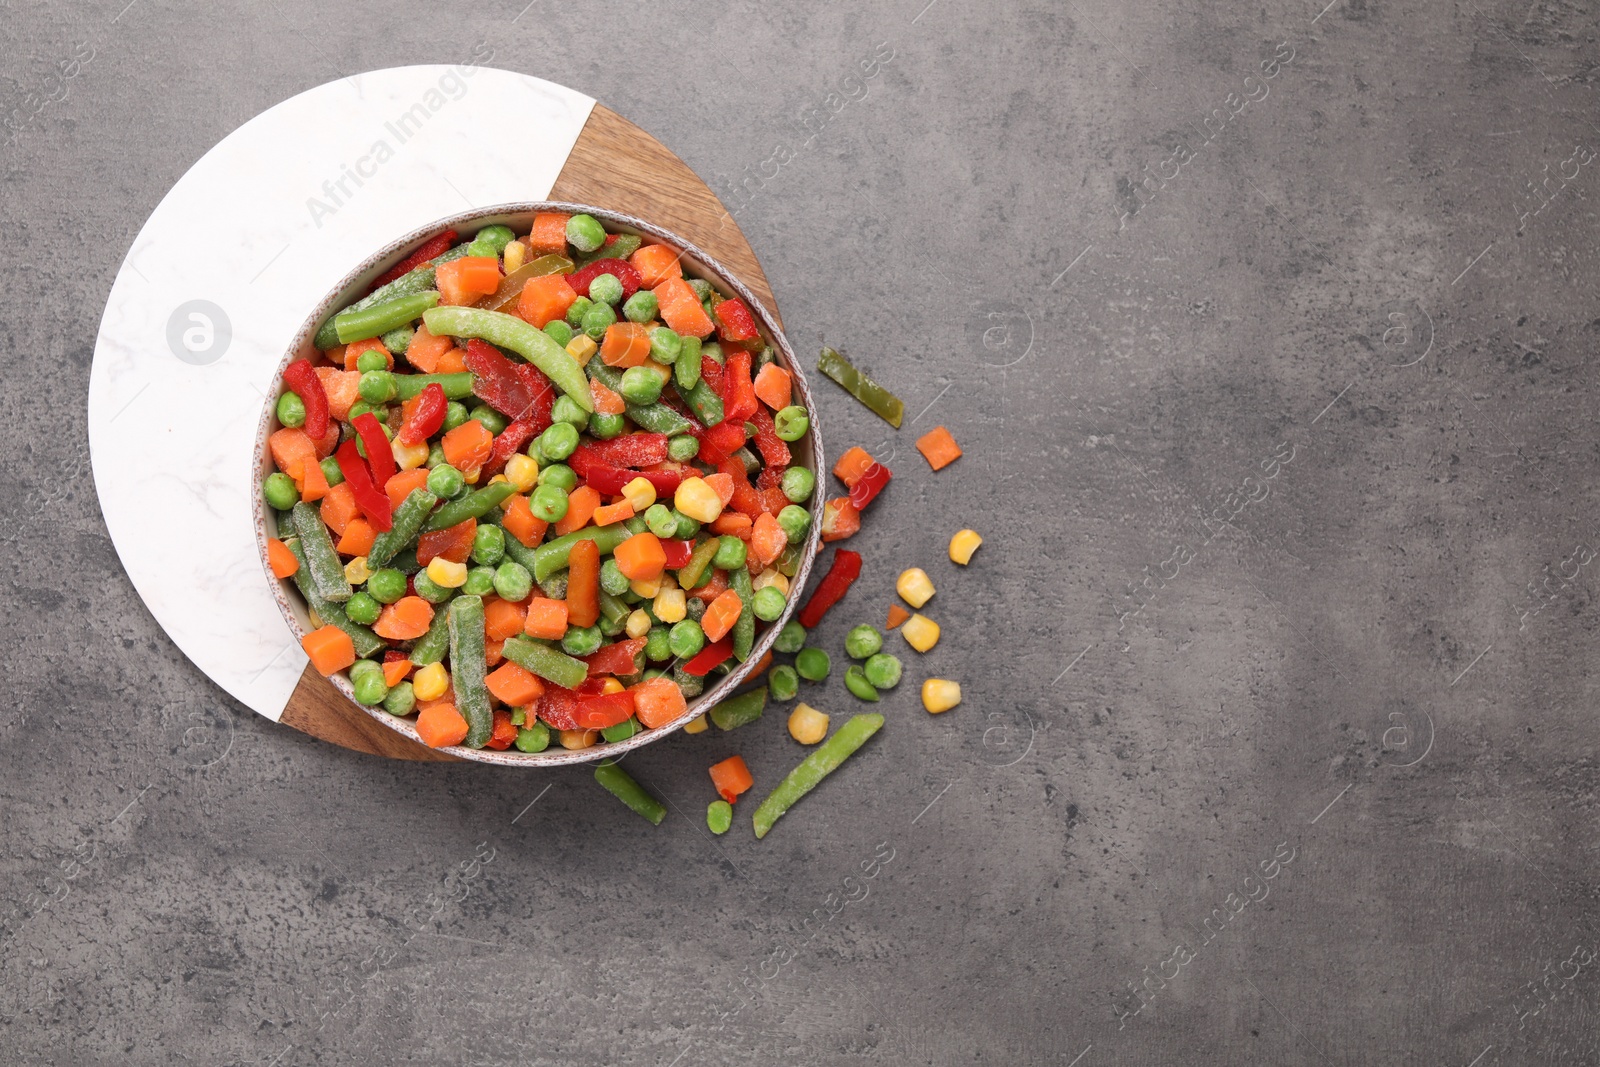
878	400
731	777
840	519
807	725
940	694
897	615
620	784
719	817
921	632
914	586
939	448
814	768
963	544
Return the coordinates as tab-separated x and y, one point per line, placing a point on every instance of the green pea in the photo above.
363	667
492	420
812	664
862	641
455	413
798	484
605	427
665	343
597	320
495	238
331	471
622	730
363	608
782	682
559	441
430	590
731	553
559	475
401	700
534	738
660	520
480	581
489	546
371	359
657	644
566	409
791	423
795	521
612	580
369	687
768	603
581	640
719	817
435	455
576	311
605	289
682	448
686	639
381	413
702	288
386	585
377	387
640	385
792	638
882	670
279	491
291	410
688	528
856	681
512	581
642	307
585	233
549	502
358	409
397	341
445	482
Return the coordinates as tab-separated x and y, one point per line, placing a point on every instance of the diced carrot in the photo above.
721	615
897	615
713	587
627	344
939	448
296	455
425	349
503	619
330	649
610	513
519	521
767	540
722	484
607	401
641	557
731	522
441	725
511	684
545	299
281	560
453	360
339	507
761	664
405	619
583	584
840	519
357	538
492	654
546	618
402	484
354	350
334	355
731	777
342	387
395	671
681	309
657	702
655	264
468	446
549	234
467	280
453	543
852	465
581	503
774	387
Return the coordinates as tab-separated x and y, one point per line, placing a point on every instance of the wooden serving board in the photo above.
614	165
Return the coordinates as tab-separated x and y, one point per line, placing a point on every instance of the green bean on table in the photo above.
814	768
620	784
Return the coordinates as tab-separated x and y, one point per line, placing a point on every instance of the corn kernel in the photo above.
638	623
582	348
523	472
430	682
645	587
448	574
661	371
471	477
696	725
940	694
357	570
668	581
409	457
316	620
640	493
671	606
611	685
773	577
575	739
697	500
499	478
914	586
922	633
516	254
963	545
807	725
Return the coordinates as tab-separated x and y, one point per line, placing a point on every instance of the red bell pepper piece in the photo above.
619	658
556	708
738	324
433	249
745	500
722	441
517	390
869	485
738	391
302	378
708	657
621	269
606	709
424	414
711	371
372	501
380	457
846	569
612	480
629	450
678	553
508	444
774	449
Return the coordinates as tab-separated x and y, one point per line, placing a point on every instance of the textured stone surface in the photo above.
1343	663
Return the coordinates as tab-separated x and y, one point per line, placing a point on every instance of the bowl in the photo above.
519	216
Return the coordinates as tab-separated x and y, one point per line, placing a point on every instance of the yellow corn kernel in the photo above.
522	472
582	348
921	632
647	588
940	694
771	576
357	571
640	493
963	545
661	371
696	725
697	500
409	457
430	682
807	725
668	581
515	254
671	605
611	685
450	575
914	586
638	623
471	477
316	620
579	738
498	478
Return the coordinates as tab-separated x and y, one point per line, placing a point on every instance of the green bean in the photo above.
741	710
397	340
744	630
468	667
686	367
529	342
455	386
702	400
381	318
327	573
431	646
475	505
552	555
621	785
546	662
612	608
403	527
366	642
814	768
878	400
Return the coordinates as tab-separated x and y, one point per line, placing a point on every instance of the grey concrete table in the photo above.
1265	329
